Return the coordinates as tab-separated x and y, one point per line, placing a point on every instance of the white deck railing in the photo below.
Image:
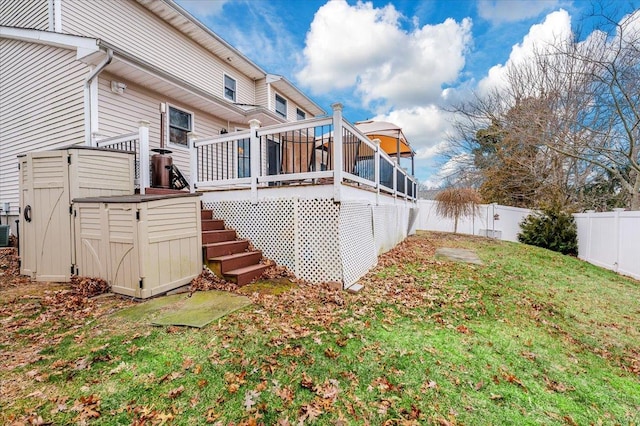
138	143
317	151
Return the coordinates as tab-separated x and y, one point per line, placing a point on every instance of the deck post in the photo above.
376	168
406	187
395	179
143	161
254	159
337	151
193	161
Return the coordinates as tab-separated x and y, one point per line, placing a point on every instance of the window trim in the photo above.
168	126
285	106
224	87
301	112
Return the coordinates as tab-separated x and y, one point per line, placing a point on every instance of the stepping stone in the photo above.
458	255
355	288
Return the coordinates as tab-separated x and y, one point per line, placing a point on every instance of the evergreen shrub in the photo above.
552	229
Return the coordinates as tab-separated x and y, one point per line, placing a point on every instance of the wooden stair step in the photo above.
225	247
223	264
212	224
206	214
243	276
218	236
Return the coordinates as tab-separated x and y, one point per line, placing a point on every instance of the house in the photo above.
309	190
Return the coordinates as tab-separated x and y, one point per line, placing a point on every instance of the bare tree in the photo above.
454	203
563	123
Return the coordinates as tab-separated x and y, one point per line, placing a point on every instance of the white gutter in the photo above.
91	99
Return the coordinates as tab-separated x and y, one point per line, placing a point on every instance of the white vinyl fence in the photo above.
610	240
493	220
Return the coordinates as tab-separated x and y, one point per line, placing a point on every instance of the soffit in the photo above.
191	97
184	22
282	86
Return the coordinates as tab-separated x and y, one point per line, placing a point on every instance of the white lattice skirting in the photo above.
317	239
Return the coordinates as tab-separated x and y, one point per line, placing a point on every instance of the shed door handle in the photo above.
27	213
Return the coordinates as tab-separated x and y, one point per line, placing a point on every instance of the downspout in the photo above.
89	109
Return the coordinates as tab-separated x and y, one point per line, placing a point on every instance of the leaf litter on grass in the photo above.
316	354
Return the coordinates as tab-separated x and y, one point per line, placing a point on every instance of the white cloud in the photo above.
556	26
501	11
366	47
262	35
426	128
449	170
203	9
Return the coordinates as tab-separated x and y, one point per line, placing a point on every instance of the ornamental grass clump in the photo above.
456	203
552	229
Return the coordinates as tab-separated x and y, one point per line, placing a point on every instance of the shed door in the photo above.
27	236
50	216
123	261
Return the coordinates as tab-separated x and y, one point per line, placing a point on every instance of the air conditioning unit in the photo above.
4	235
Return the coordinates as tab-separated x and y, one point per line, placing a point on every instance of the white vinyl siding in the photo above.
41	105
262	96
137	31
25	14
120	114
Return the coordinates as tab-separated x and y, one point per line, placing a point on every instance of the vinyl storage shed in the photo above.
143	245
48	182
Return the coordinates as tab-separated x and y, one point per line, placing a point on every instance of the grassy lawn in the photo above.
530	337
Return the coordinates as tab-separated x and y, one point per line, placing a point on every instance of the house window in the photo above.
281	106
229	88
180	124
300	114
244	158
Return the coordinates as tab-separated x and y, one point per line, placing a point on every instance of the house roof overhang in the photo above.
183	21
84	46
141	73
287	88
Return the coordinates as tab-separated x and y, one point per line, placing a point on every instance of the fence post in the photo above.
254	159
589	240
376	169
193	161
143	161
337	151
616	227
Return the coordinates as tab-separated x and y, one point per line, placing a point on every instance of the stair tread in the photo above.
224	243
246	269
235	256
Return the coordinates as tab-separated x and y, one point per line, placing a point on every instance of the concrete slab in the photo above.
355	288
458	255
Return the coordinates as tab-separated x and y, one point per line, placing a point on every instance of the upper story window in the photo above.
300	114
180	124
281	106
229	88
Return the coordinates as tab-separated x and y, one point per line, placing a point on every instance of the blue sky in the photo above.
397	60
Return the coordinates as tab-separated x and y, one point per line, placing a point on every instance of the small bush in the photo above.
552	229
